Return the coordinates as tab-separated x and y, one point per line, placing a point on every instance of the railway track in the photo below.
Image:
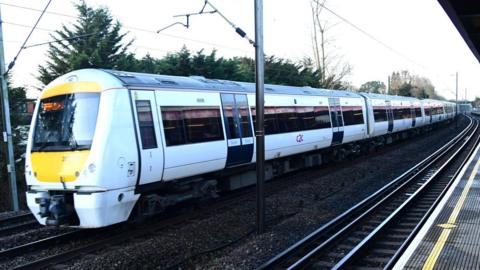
373	233
109	236
17	223
104	237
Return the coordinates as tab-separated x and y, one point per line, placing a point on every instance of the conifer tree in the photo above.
93	41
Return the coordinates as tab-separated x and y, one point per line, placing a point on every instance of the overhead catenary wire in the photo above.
28	26
371	36
12	63
60	40
187	17
128	27
237	29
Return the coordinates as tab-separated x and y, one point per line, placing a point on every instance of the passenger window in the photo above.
427	111
307	117
379	113
291	119
397	113
418	112
288	120
322	117
145	122
185	125
352	115
270	120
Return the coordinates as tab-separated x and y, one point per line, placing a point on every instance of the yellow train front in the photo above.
77	171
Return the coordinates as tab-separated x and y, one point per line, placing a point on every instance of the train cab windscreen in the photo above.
66	122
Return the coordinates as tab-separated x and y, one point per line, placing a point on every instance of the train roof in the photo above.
133	79
387	97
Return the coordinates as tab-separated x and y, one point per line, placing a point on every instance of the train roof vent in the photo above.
306	92
269	89
122	74
197	77
229	83
164	81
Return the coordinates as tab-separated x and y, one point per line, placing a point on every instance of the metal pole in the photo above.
7	133
456	99
259	108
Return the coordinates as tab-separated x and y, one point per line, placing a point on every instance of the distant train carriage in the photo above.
103	142
465	108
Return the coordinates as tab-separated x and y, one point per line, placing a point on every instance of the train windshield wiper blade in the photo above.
41	147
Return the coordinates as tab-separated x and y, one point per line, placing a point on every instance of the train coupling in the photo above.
56	209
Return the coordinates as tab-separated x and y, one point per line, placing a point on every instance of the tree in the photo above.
476	102
405	84
186	63
94	41
373	87
405	90
332	69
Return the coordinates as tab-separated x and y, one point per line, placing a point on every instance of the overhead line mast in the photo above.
7	128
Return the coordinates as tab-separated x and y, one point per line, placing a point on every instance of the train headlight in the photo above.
92	168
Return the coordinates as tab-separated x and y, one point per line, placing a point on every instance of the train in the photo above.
106	145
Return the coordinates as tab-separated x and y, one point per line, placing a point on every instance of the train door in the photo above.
336	117
389	115
238	127
414	117
430	114
149	139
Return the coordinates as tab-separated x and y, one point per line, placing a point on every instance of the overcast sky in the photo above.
423	39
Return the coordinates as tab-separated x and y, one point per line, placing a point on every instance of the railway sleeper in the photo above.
337	255
378	260
400	230
361	233
383	251
389	243
323	264
397	237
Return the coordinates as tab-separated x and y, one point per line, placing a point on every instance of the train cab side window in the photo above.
145	122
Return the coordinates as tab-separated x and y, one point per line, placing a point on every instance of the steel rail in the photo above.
17	223
124	235
333	226
311	255
16	219
358	250
113	239
417	228
45	242
5	231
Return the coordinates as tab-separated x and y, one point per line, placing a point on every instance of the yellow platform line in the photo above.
447	228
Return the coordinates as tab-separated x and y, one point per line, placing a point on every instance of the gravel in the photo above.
8	214
305	200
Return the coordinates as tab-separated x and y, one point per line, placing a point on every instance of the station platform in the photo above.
450	239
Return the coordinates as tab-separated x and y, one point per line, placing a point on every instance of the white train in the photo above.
104	142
